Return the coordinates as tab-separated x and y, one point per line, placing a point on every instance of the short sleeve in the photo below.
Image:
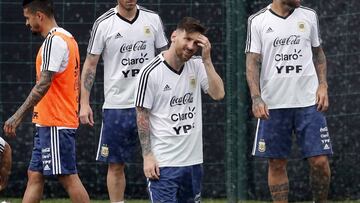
160	38
253	41
54	52
315	31
96	41
145	93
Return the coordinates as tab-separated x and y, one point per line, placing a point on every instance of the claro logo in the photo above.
134	61
186	99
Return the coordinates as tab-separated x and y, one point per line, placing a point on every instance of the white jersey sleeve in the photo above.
2	145
160	39
98	33
315	31
253	42
55	54
146	87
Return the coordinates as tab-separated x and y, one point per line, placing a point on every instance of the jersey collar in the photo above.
283	17
126	20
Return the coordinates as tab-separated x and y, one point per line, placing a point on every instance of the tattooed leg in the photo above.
278	180
320	178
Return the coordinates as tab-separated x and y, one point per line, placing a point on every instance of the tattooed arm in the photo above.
319	59
36	94
151	167
87	81
253	64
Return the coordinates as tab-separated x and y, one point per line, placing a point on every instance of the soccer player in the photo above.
169	116
290	94
55	101
127	37
5	163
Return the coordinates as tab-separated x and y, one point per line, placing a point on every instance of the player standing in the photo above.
127	37
55	102
169	114
290	94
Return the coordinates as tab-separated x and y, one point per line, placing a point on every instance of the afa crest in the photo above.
262	146
301	26
147	31
104	151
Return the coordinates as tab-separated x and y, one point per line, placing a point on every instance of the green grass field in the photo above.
11	200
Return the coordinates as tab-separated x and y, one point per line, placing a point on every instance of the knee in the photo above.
116	169
277	165
68	180
35	177
320	163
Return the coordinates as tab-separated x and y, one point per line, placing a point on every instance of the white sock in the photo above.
119	202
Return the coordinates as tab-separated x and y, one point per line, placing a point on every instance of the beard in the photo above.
293	3
34	29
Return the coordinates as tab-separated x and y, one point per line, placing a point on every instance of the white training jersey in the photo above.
174	102
2	145
288	77
55	51
125	47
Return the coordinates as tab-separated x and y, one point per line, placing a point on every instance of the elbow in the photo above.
219	96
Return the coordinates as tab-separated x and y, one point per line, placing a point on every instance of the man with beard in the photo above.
5	163
169	116
290	95
127	36
55	101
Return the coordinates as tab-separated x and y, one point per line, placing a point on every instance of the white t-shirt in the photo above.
288	77
174	101
125	47
55	51
2	145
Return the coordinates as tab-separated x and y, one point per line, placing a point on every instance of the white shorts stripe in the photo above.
98	150
58	149
256	134
150	193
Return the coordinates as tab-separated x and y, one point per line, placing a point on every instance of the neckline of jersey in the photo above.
129	21
283	17
172	69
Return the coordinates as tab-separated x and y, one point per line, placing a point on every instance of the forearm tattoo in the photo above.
37	93
279	192
89	80
142	117
253	66
319	59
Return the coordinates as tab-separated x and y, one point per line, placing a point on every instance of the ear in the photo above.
173	36
39	15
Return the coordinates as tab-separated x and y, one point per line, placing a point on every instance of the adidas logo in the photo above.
269	30
326	146
167	88
46	168
118	35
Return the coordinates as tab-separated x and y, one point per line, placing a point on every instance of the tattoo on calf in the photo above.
279	192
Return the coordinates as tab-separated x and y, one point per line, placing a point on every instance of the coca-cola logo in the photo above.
186	99
137	46
292	39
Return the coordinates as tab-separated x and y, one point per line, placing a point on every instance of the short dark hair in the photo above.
44	6
190	24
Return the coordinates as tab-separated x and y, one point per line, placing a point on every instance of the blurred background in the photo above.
230	171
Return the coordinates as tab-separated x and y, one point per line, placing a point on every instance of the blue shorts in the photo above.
118	137
54	151
177	185
274	136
